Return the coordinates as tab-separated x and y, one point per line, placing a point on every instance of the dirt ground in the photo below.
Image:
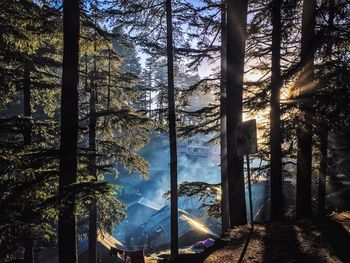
287	242
307	241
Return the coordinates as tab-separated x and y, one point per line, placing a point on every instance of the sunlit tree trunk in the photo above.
236	36
306	87
275	117
67	248
172	132
225	209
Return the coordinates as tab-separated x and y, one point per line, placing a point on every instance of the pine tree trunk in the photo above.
275	136
322	180
172	133
109	78
28	250
236	36
67	247
323	170
92	169
27	138
93	232
225	209
304	133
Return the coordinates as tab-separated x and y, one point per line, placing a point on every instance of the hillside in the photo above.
317	240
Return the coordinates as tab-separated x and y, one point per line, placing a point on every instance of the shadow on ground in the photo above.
336	234
308	241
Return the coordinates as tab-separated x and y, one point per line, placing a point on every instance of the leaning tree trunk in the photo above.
28	242
92	167
304	133
225	209
67	248
236	36
172	133
276	135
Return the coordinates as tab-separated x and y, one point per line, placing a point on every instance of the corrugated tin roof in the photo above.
109	241
146	202
106	240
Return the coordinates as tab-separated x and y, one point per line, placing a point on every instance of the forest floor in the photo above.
305	241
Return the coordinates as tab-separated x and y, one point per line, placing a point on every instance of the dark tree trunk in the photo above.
27	135
172	133
67	247
92	168
276	136
28	250
27	138
323	129
323	169
304	133
109	79
236	36
225	209
331	15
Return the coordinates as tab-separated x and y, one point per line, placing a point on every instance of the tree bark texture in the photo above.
236	36
27	106
92	167
275	115
67	247
172	133
225	209
306	89
27	139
